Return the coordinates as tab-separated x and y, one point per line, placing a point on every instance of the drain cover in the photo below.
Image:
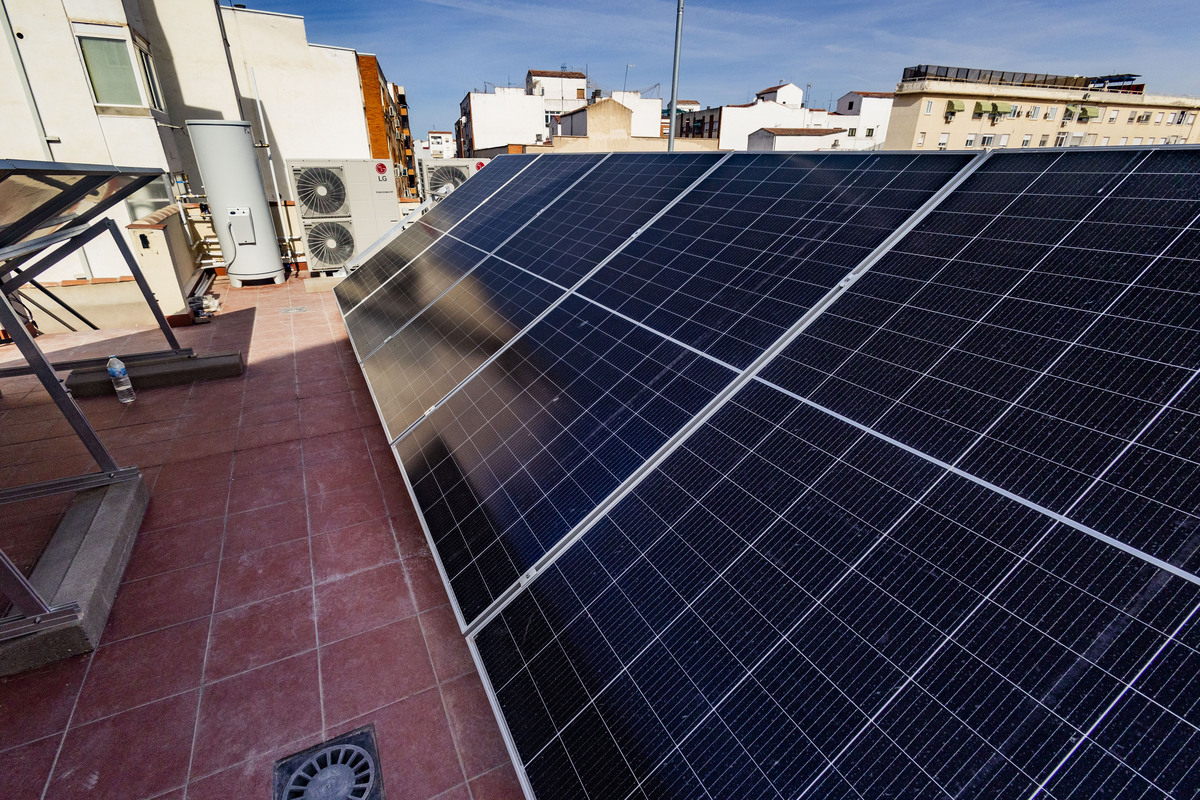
345	768
293	310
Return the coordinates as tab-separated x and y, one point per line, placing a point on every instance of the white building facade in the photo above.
113	82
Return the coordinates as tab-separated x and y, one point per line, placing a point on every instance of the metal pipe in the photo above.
50	294
675	77
284	218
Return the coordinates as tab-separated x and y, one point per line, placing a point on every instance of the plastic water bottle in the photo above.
120	379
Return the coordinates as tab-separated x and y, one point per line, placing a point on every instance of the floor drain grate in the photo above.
293	310
344	768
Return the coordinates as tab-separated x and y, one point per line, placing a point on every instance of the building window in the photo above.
928	106
1027	140
921	139
986	140
1132	117
1052	112
1124	141
110	71
1158	118
1060	140
1104	142
581	94
1044	140
1112	115
1137	140
970	140
852	132
1016	112
850	106
1003	140
1035	112
150	78
943	140
870	132
1171	118
1191	118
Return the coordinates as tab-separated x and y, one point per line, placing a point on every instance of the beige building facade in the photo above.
953	108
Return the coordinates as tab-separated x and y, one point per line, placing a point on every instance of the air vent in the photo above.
344	768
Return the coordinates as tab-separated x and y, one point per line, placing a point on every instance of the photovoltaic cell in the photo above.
533	443
411	242
1038	368
944	543
743	255
789	606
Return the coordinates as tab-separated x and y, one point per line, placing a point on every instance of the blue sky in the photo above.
442	49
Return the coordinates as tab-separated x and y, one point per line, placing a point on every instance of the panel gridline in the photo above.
978	647
789	607
750	249
1035	366
515	459
431	353
413	240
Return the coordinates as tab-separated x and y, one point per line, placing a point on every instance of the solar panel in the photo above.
742	256
944	543
409	243
429	354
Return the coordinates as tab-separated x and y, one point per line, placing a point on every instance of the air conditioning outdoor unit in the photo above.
344	206
444	175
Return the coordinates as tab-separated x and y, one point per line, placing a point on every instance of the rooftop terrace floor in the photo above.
280	590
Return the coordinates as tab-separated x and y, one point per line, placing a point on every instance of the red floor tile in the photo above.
37	703
340	474
426	582
361	602
168	509
187	448
460	792
267	458
196	472
167	549
334	446
261	574
250	779
499	784
360	674
26	769
268	433
263	413
137	754
415	747
152	603
473	725
265	527
345	507
349	550
251	713
257	634
447	647
265	489
143	669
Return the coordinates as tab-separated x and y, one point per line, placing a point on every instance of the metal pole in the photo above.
675	77
66	404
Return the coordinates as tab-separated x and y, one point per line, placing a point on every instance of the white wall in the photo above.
647	112
765	140
737	123
789	94
507	116
868	113
311	95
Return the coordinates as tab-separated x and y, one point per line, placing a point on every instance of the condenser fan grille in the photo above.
443	180
321	190
330	243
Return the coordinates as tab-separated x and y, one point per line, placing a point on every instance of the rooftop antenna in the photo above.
675	77
807	92
626	83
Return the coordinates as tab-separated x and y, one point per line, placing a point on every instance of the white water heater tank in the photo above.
237	199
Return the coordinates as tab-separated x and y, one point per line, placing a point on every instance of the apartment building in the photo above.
510	118
89	81
956	108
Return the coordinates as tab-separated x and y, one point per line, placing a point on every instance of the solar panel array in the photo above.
827	475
